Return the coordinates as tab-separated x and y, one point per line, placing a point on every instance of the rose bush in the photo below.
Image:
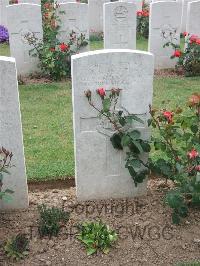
143	21
179	142
189	58
124	136
54	56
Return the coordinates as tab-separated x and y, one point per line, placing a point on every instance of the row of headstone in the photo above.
11	136
26	19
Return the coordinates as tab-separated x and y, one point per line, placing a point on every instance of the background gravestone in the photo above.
37	2
193	18
164	26
138	3
3	13
74	17
24	19
100	169
11	134
96	16
119	25
65	1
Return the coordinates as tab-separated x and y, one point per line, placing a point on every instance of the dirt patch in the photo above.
38	79
146	235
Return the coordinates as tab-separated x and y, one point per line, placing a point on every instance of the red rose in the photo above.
185	33
46	15
64	47
192	154
145	13
139	13
101	92
198	41
168	115
197	168
177	53
193	38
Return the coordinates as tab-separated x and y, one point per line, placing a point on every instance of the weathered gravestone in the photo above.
138	3
65	1
37	2
3	13
164	26
100	169
96	15
11	134
23	20
193	18
73	17
119	25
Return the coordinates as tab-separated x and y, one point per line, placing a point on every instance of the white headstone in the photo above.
119	25
138	3
73	17
184	14
37	2
96	15
11	134
164	26
3	13
65	1
24	19
100	169
193	18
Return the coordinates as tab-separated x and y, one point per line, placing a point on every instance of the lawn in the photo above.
47	119
47	122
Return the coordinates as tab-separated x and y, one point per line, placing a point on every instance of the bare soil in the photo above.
146	234
39	79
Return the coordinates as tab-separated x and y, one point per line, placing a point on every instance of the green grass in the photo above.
47	128
47	119
142	44
4	49
47	122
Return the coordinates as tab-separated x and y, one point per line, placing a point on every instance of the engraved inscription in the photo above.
120	13
105	74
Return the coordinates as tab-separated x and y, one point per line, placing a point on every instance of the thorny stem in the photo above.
107	116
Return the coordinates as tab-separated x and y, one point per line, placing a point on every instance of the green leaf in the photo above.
194	128
135	134
137	145
145	146
91	251
175	218
125	140
136	118
116	141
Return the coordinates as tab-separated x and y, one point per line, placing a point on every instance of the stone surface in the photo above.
100	169
3	16
164	26
74	17
119	25
193	18
184	14
24	19
96	15
11	134
37	2
65	1
138	3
